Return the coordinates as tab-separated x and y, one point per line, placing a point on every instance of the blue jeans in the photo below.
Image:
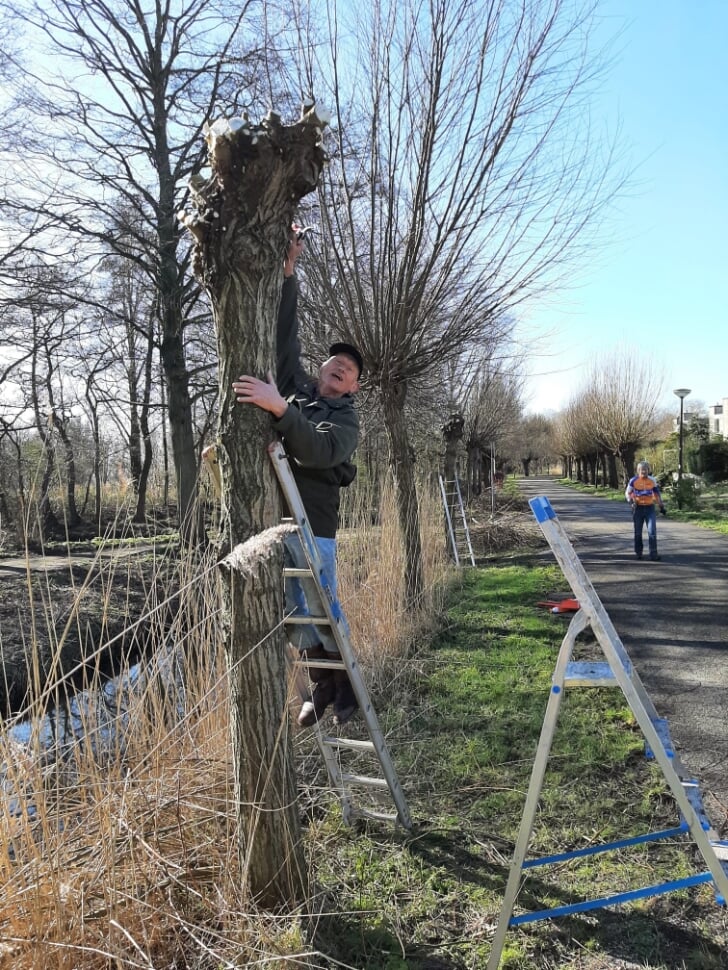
645	515
302	596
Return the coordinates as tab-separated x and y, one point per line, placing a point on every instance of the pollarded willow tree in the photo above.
574	440
464	178
531	442
624	389
241	223
492	396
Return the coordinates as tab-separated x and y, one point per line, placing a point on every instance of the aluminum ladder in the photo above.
615	671
334	748
453	504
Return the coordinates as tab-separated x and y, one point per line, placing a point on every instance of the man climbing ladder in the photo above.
320	429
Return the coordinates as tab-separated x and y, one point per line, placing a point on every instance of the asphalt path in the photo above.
672	617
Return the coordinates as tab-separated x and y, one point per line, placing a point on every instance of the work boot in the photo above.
315	674
323	694
345	702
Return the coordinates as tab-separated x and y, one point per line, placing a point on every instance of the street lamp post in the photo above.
682	393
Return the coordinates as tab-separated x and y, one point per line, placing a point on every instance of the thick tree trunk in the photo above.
475	470
592	468
270	851
97	471
72	516
179	409
163	432
140	513
241	227
135	443
49	525
612	473
452	432
393	399
627	452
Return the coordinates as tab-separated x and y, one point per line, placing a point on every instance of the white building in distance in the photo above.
718	418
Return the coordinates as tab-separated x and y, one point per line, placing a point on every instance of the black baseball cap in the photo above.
351	351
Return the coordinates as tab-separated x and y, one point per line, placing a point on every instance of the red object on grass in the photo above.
561	606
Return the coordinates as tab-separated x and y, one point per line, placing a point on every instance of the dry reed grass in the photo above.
119	850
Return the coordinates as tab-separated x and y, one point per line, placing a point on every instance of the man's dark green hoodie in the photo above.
319	434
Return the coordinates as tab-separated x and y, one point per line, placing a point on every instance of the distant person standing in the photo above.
643	494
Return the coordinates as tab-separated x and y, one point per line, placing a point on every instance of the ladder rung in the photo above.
304	620
365	780
350	743
587	673
628	897
295	571
378	816
320	664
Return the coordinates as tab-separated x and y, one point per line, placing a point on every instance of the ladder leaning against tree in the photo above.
456	520
347	784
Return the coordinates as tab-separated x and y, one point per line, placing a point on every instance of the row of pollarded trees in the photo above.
456	136
437	205
599	433
460	181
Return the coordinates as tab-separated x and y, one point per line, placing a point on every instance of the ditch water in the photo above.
92	721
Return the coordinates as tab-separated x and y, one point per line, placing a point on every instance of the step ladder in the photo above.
615	671
457	522
335	749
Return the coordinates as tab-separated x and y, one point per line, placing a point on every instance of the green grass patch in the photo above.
464	747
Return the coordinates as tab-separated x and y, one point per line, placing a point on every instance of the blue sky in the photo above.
658	287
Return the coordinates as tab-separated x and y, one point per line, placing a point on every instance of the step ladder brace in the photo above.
454	500
615	671
345	783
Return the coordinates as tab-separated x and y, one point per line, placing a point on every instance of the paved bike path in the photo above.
672	617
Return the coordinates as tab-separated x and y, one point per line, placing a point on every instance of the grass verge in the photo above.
125	855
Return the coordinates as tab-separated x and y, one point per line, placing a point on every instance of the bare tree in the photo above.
92	409
118	107
492	411
531	442
575	437
464	177
127	342
38	337
624	389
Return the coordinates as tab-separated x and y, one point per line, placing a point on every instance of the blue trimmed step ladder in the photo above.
615	671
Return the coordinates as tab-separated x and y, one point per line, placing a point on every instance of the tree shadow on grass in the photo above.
621	933
352	940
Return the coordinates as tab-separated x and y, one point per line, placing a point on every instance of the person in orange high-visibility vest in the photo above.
643	494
